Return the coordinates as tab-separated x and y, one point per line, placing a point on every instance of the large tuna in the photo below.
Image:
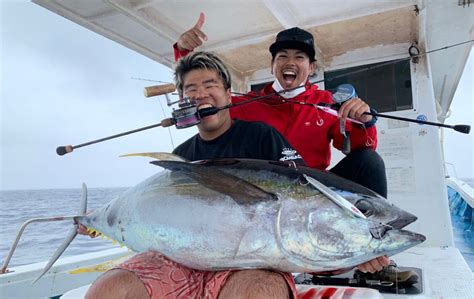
231	214
373	205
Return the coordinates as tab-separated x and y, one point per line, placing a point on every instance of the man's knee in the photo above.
365	167
117	283
369	158
255	284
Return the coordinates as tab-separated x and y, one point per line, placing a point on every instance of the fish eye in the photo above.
365	207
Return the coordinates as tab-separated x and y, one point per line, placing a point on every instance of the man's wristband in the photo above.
371	122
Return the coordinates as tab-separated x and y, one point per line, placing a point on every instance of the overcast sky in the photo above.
63	84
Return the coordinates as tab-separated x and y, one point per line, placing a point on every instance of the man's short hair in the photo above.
200	60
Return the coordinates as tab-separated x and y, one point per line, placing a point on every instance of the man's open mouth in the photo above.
202	106
289	77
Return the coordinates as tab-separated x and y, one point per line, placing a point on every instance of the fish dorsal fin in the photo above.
161	156
242	191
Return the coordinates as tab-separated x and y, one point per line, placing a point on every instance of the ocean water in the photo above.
462	220
40	240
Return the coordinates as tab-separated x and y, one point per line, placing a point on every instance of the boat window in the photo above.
259	86
385	88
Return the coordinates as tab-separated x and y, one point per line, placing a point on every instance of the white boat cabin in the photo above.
348	35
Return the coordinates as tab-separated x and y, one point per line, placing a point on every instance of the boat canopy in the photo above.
241	31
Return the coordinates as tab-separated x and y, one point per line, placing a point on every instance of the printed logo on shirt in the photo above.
289	154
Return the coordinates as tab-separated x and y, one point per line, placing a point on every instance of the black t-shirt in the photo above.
252	140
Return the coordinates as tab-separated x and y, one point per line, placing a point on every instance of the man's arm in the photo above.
190	39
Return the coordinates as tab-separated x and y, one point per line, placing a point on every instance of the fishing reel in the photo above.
344	92
187	114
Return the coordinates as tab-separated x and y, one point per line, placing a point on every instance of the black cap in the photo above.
294	38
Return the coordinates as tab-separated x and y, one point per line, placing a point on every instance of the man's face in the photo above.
206	89
291	67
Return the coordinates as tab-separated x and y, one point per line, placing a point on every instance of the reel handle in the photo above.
157	90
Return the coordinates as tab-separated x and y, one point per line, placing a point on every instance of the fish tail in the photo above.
71	235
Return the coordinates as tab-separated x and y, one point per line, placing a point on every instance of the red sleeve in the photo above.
178	54
240	111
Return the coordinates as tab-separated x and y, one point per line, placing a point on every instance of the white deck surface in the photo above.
445	272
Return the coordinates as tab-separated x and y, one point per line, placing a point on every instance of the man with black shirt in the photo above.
206	81
219	136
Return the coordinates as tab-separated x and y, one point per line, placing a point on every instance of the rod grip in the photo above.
157	90
167	122
462	128
62	150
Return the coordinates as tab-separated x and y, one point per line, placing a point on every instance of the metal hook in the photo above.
369	141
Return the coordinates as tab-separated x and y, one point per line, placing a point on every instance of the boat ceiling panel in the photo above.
144	37
241	31
237	28
325	12
85	11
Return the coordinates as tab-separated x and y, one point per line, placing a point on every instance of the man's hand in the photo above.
371	266
355	108
374	265
194	37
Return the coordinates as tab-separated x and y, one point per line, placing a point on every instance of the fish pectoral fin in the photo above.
378	230
242	191
162	156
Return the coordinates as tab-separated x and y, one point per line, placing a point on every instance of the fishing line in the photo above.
149	80
169	130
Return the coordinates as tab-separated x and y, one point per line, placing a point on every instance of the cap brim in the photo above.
292	44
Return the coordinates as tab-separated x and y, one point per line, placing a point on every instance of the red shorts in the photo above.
164	278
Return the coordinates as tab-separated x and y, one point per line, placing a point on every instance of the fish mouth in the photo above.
398	240
403	220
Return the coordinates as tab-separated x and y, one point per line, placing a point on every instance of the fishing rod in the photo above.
187	115
336	106
176	120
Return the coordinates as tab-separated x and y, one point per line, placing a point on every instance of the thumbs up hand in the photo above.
194	37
